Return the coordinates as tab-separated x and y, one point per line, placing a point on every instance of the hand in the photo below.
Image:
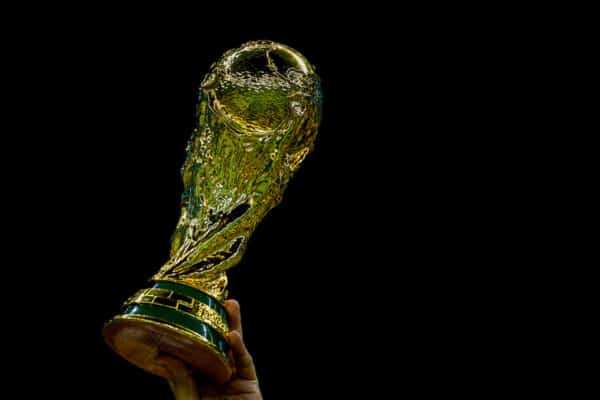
243	384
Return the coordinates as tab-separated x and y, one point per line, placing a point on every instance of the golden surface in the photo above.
258	116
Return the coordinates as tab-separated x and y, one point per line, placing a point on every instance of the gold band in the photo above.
185	304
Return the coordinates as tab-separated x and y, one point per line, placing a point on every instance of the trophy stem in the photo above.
177	320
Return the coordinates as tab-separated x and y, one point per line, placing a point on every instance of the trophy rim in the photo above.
185	332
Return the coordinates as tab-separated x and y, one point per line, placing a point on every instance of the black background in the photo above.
360	282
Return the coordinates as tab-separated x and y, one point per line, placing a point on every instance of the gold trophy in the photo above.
258	116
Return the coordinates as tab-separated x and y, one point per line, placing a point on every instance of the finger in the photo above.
235	317
243	360
180	378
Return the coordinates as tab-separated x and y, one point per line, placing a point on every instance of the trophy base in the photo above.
148	328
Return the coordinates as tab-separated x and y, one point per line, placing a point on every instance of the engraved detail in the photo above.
182	303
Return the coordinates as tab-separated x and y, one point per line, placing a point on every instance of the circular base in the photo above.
140	340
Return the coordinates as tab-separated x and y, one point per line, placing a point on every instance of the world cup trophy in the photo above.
258	115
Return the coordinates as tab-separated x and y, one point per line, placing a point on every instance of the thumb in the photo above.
243	360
